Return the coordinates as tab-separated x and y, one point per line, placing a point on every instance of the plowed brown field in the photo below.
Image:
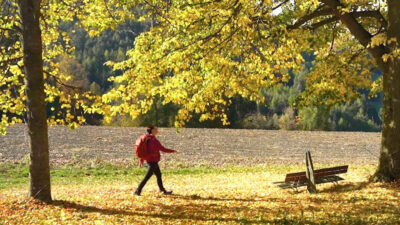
212	147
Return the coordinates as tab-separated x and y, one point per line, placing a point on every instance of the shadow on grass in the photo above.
170	214
89	209
348	187
334	188
199	209
197	197
394	186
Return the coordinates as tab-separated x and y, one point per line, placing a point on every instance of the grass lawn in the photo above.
103	194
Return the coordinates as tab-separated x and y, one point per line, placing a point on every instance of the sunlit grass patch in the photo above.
229	195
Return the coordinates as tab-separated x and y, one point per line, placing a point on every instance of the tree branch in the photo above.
313	15
375	14
200	3
109	11
62	83
257	51
333	39
158	13
214	34
10	60
357	30
223	41
329	11
6	29
323	22
280	4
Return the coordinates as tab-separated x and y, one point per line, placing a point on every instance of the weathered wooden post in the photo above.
310	174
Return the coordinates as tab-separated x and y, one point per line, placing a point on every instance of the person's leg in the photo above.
157	172
150	171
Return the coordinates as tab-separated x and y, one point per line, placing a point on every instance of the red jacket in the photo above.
154	147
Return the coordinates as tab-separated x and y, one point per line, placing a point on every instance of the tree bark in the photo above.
389	161
39	170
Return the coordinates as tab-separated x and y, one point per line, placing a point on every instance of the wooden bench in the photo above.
311	177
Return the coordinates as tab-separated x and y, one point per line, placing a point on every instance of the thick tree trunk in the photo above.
389	161
34	80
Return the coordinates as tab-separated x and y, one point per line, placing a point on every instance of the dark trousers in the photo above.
153	168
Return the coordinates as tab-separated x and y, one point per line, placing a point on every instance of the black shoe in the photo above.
165	192
137	193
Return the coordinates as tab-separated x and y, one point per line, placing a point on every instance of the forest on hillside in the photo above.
88	66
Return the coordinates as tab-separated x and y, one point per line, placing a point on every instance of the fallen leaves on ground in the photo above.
212	198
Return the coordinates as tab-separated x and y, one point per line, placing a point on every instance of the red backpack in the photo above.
141	146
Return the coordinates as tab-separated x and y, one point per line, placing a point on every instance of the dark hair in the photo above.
150	129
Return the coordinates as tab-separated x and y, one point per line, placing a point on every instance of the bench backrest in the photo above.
301	176
330	171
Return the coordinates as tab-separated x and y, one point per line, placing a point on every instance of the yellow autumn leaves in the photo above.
201	58
66	102
198	56
203	54
243	195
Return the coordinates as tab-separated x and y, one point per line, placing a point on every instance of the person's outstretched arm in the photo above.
163	149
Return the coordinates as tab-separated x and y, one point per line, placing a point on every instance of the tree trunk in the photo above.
389	161
39	170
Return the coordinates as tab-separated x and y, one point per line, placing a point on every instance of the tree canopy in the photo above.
200	54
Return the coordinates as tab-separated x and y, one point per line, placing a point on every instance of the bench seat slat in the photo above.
320	180
301	176
328	179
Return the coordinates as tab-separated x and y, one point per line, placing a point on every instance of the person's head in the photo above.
152	130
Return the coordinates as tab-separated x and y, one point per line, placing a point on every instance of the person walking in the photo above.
153	157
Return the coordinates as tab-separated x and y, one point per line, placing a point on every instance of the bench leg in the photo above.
293	186
297	185
311	186
336	183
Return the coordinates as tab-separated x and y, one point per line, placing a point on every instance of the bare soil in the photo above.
212	147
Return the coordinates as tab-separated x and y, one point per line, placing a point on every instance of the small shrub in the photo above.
314	118
273	122
255	121
288	120
26	160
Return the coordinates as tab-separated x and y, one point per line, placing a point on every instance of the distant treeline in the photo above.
88	67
